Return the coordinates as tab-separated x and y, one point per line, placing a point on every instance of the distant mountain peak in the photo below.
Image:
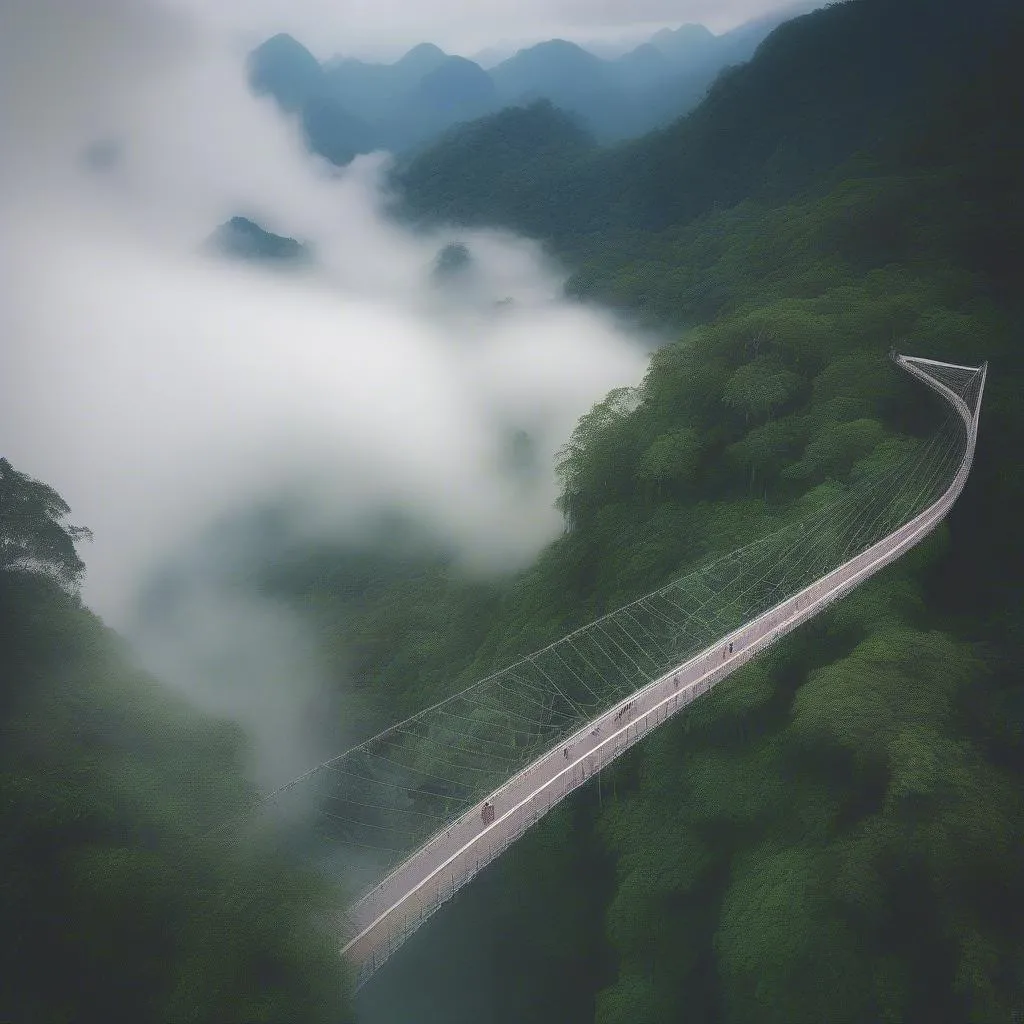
556	68
243	239
421	51
692	30
421	59
676	42
557	47
286	70
456	83
283	43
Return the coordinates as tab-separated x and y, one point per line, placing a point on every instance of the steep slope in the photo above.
819	89
695	59
334	133
285	70
488	172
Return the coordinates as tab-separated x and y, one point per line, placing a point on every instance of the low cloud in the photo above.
161	390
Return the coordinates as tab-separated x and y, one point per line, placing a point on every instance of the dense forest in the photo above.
833	834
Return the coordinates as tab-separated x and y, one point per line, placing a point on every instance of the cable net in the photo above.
964	381
375	804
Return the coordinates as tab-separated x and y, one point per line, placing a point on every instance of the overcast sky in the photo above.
384	28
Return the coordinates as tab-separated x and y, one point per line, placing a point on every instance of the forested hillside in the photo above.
835	834
115	903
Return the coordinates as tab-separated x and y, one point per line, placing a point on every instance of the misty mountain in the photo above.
419	61
557	70
374	91
682	43
643	67
690	59
820	88
335	133
454	90
241	238
351	106
485	173
573	79
283	68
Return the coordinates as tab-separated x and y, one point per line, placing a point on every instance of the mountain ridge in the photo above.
401	105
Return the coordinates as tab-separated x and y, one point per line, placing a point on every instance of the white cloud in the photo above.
159	390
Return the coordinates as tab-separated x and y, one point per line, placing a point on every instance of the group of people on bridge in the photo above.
626	710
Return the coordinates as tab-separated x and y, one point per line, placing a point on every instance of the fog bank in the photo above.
160	389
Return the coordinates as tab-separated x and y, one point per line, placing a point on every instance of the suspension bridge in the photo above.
419	809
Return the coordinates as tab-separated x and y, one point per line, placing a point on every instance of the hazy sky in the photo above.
387	27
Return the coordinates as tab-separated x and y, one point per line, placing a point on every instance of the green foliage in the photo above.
672	459
595	462
833	833
34	536
760	388
114	902
836	448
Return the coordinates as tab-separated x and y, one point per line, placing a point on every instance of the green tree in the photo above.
671	460
760	388
34	534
